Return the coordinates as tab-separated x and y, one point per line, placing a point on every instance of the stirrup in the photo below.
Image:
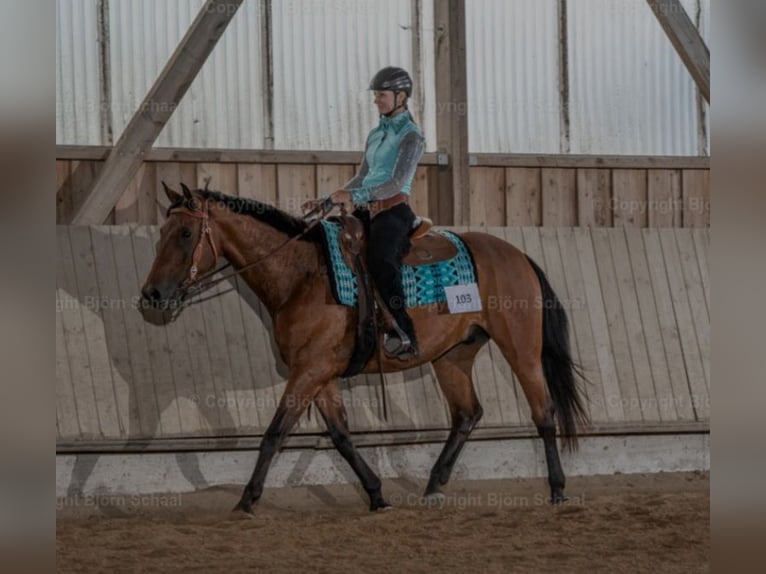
398	345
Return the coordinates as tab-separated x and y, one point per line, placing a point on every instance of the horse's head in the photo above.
187	249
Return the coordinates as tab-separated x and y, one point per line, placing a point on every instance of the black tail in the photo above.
559	368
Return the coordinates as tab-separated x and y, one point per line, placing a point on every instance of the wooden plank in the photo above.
295	184
144	398
594	198
515	237
181	366
629	197
261	350
580	321
559	205
83	174
157	339
418	399
696	377
137	204
111	310
258	181
399	415
75	341
657	359
241	371
696	197
523	196
686	39
668	327
64	207
628	392
451	96
612	397
487	196
223	177
220	360
419	197
367	440
332	177
664	191
430	159
558	280
155	110
695	292
700	237
68	427
637	344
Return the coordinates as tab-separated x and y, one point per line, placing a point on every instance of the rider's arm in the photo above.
356	181
410	151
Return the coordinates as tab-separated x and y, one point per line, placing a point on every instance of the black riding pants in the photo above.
387	243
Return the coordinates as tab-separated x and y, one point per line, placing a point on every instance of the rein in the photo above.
194	285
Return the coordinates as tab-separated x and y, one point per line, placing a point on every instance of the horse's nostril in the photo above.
151	293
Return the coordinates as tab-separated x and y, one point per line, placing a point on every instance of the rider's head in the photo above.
392	87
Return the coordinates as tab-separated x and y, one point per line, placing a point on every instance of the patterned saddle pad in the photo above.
423	285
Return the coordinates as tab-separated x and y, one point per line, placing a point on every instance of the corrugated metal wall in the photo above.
325	52
512	61
629	91
77	76
224	104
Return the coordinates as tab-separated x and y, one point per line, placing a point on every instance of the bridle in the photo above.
194	284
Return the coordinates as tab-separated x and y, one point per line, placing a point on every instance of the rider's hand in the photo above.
311	204
343	198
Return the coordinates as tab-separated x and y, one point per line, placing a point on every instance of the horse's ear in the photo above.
187	191
173	196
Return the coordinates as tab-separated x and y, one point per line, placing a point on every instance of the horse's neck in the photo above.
281	268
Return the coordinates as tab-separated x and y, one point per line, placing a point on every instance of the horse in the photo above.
277	256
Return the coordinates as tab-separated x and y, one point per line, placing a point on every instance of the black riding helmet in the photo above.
394	79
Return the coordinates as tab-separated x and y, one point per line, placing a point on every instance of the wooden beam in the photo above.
686	39
211	155
154	112
369	439
451	107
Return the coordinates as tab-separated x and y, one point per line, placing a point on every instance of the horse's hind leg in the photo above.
453	371
520	341
330	404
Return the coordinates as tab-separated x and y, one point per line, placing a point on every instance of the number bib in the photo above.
463	298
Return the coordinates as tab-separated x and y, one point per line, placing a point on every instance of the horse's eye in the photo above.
186	233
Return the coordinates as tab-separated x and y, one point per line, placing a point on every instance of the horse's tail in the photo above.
559	368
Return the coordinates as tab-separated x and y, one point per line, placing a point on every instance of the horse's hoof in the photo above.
558	498
242	510
381	505
435	499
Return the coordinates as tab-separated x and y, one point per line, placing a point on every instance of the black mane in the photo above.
268	214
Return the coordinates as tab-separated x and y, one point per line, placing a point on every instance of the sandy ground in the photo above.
622	523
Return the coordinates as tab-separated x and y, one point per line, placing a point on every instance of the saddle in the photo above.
427	247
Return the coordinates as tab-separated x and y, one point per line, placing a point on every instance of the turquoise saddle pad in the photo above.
423	285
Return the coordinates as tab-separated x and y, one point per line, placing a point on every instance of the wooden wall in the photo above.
505	190
638	302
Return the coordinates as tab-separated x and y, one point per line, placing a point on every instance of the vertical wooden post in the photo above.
154	112
452	111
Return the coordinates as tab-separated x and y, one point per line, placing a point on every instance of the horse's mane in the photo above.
268	214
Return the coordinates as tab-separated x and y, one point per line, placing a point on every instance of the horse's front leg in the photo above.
300	391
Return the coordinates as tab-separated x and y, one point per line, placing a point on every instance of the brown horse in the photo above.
315	336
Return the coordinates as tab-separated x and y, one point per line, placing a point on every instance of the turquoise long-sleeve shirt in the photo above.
392	152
